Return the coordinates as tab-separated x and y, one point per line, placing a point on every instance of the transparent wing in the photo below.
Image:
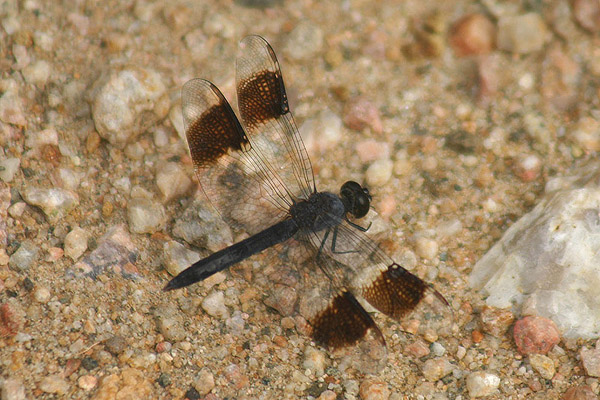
264	109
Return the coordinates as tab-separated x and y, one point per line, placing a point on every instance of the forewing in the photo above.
264	109
226	164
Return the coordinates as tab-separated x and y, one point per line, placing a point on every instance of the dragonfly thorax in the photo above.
320	211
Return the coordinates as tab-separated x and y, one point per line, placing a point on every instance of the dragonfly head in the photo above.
356	199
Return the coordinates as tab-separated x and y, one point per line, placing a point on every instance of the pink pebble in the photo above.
535	335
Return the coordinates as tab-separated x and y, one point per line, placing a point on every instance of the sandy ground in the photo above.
472	140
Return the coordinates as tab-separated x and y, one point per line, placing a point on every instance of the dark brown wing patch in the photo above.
395	291
343	323
262	97
216	130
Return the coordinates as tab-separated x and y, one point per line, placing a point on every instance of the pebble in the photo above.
145	215
436	368
379	173
69	178
437	349
11	108
202	226
37	73
76	243
8	168
322	132
9	321
587	14
177	257
205	382
586	134
581	392
214	305
115	344
426	248
481	384
535	335
472	34
12	389
234	375
371	150
170	326
591	360
374	389
528	167
172	181
38	139
25	255
55	203
54	384
304	42
126	102
41	294
315	360
496	321
522	34
282	298
360	112
543	365
418	349
87	382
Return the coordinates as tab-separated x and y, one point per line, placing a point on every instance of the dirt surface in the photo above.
472	140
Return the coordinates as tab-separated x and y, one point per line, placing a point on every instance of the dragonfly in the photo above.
258	175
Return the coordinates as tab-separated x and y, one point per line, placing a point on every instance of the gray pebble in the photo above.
126	102
480	384
214	305
172	181
55	203
8	168
177	257
145	215
25	256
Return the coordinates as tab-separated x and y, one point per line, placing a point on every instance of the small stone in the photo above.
528	168
163	347
304	41
481	384
12	389
26	255
69	178
12	109
472	34
315	360
426	248
41	294
379	173
371	150
172	181
234	375
38	139
581	392
543	365
282	298
496	321
145	215
587	14
126	102
205	382
535	335
591	360
437	349
76	243
360	113
87	382
374	389
177	257
55	203
37	73
54	384
115	344
322	132
436	368
202	226
8	168
522	34
418	349
9	321
169	323
214	305
586	134
89	363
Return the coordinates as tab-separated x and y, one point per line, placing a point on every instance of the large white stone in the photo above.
548	262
